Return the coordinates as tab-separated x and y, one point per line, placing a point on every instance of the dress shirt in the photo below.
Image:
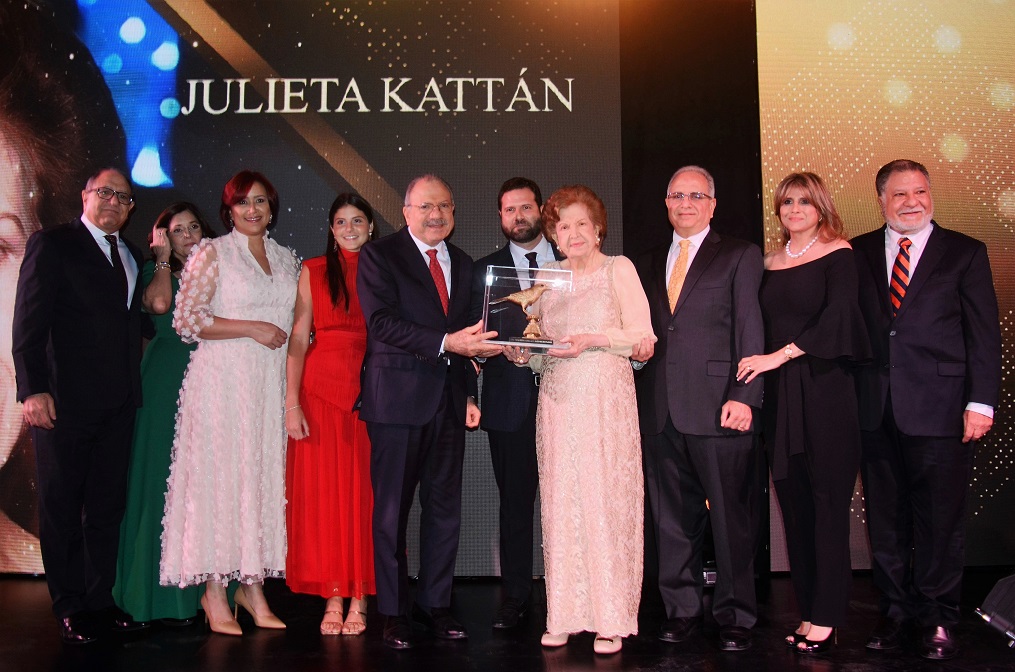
919	244
444	259
544	255
692	249
125	256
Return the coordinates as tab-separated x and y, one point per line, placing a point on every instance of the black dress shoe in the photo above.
679	629
509	614
119	620
78	629
440	622
734	638
938	643
398	633
887	634
178	622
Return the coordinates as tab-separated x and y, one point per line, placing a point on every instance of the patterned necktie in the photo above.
900	275
114	254
531	256
678	275
437	273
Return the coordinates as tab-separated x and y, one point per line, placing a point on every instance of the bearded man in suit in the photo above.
928	300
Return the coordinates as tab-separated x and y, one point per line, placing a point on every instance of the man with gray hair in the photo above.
696	417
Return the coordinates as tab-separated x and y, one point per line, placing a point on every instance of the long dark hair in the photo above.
166	216
335	267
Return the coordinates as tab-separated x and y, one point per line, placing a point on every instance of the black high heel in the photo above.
812	648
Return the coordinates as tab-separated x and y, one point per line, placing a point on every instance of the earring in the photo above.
370	231
335	248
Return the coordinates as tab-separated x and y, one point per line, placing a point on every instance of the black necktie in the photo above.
531	256
114	253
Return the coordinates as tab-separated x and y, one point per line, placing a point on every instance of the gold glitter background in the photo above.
846	87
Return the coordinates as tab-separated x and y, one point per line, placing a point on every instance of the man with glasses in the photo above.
418	396
696	417
77	354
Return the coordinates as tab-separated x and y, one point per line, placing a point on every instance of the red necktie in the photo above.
900	275
437	273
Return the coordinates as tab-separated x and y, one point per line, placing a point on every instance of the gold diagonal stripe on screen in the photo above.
331	146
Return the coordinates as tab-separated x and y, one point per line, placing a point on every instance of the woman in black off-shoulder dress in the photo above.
814	335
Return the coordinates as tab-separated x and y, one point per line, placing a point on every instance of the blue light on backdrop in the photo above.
138	53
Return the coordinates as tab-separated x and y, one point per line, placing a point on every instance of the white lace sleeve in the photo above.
197	287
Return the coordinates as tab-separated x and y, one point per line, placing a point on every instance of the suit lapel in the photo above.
416	266
659	302
702	258
929	261
876	260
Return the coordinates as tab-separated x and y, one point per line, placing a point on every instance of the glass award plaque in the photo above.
511	305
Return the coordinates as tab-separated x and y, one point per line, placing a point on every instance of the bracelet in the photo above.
160	265
293	408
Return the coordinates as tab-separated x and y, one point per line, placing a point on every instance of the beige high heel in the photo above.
269	620
332	627
223	627
606	646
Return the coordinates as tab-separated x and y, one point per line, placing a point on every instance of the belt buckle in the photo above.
536	377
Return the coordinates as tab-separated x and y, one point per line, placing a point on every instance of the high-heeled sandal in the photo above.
357	627
332	627
269	620
224	627
811	648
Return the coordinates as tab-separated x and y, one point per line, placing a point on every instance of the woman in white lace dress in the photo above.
225	507
587	439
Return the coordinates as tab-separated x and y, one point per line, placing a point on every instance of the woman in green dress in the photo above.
137	591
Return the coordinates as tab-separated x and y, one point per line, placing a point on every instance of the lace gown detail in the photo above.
590	473
225	507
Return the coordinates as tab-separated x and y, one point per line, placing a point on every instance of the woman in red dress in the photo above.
330	505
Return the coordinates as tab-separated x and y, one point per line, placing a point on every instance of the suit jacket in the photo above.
507	389
716	323
943	349
74	336
403	377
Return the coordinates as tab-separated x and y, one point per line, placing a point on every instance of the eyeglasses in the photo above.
694	196
427	208
105	193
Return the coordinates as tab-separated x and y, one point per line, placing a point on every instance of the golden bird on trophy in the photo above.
524	298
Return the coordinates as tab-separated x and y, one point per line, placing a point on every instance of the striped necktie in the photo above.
900	275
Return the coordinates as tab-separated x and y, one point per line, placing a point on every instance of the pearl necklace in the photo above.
803	251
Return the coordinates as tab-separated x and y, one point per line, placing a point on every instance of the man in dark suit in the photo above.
77	354
696	418
509	400
418	397
927	296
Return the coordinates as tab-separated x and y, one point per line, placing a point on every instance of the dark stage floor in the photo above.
29	640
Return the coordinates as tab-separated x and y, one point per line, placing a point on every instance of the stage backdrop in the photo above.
325	97
865	83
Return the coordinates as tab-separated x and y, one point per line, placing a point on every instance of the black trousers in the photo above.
82	464
916	488
514	467
681	472
403	456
